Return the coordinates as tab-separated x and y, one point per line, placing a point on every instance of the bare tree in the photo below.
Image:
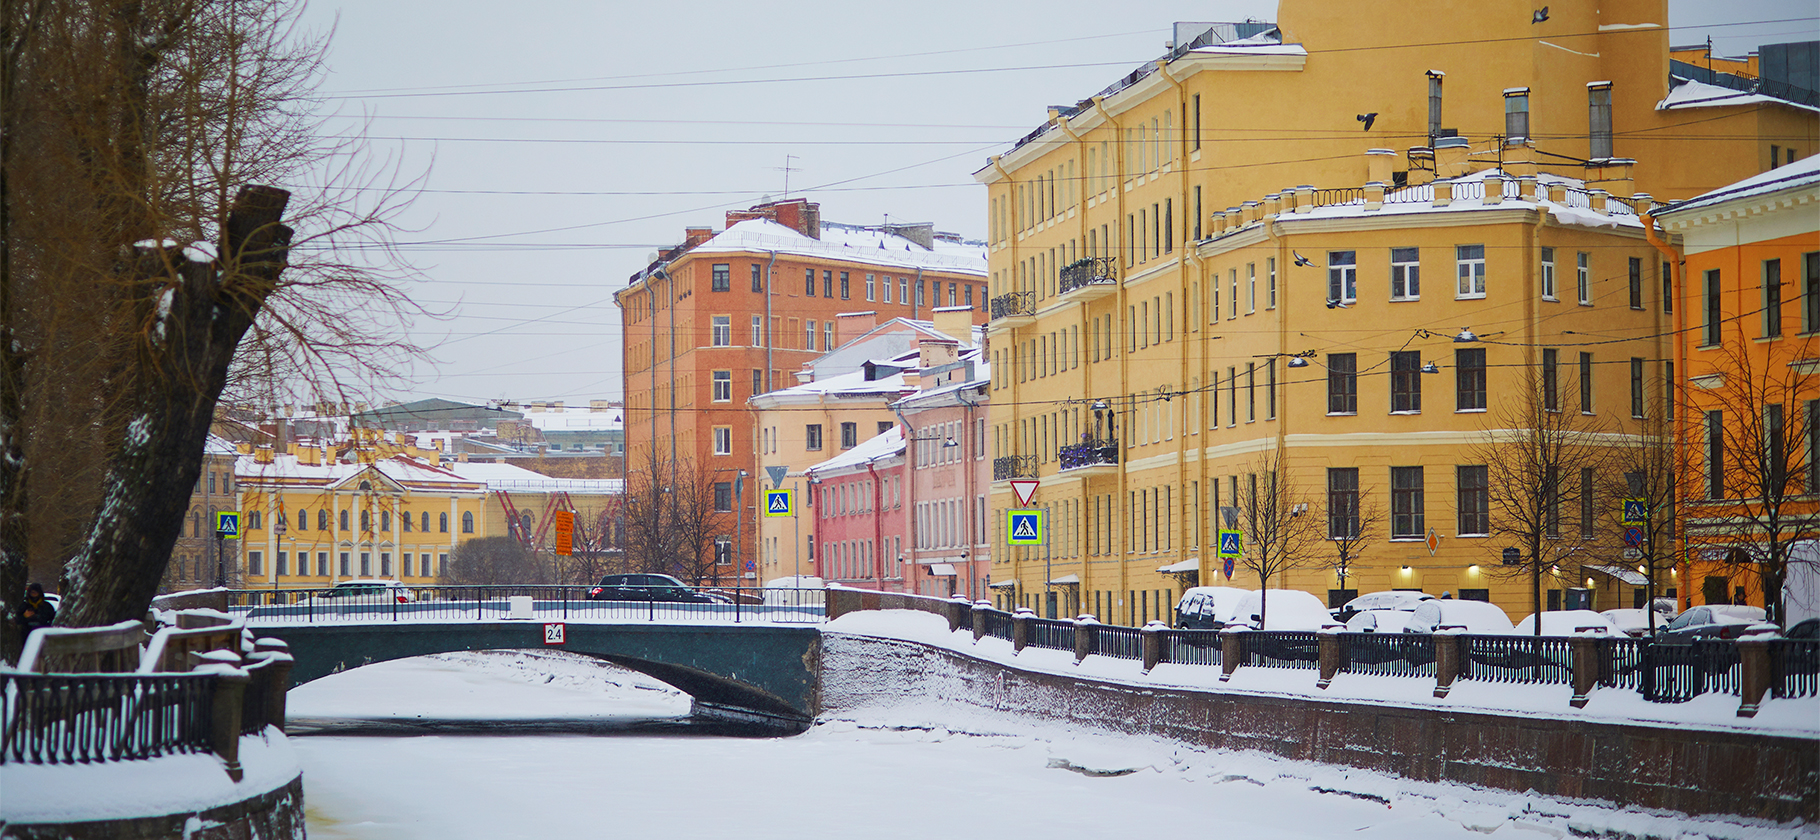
496	561
672	518
1353	522
1753	421
1642	475
1534	453
1280	533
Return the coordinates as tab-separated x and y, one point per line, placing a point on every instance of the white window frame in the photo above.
1583	277
722	386
1343	276
1549	292
1470	273
723	440
721	330
1405	276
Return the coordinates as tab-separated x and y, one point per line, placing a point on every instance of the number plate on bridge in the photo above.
553	634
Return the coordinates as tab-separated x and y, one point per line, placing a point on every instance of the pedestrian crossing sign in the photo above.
1024	527
1636	512
227	524
1232	543
778	503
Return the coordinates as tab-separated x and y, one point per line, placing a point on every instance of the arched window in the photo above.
303	519
426	524
253	520
467	522
443	522
366	520
385	521
405	520
366	486
322	519
196	523
524	522
344	520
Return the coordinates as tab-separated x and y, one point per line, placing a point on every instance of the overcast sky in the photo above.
563	141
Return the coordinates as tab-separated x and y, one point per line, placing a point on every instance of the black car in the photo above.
644	587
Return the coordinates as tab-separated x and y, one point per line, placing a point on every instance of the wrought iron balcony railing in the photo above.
1089	271
1013	466
1088	453
1013	304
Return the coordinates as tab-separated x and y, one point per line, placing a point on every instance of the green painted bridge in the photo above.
763	672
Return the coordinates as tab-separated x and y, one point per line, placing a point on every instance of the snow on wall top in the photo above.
884	445
1802	173
1692	94
851	243
1576	210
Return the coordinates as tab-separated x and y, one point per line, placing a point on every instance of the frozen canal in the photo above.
897	773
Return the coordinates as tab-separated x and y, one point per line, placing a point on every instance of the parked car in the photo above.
1478	617
367	591
1208	607
647	587
1714	621
1809	629
1378	621
1283	609
1568	623
1394	599
1634	622
796	591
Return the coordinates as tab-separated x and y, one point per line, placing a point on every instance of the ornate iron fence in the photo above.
1387	654
412	603
1794	667
1118	642
1088	453
1621	662
1191	647
1013	466
1050	633
1277	649
90	718
998	624
1088	271
1515	659
1012	304
1678	672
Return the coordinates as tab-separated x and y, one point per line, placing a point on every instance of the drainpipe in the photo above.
916	302
878	535
1679	280
769	385
1118	315
969	468
909	490
1011	382
1181	101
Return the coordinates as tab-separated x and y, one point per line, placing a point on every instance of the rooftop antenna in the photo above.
787	169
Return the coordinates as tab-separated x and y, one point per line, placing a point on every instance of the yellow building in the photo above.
1149	245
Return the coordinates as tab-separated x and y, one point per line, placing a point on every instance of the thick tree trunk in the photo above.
169	406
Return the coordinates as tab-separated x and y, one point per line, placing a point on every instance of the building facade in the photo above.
857	503
950	548
199	560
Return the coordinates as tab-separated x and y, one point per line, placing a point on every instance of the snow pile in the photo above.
488	685
174	784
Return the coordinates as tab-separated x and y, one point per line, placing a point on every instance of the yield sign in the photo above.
1025	488
777	474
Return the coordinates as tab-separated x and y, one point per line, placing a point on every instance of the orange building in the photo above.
1749	414
724	317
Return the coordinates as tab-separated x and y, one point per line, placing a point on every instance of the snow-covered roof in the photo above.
1802	173
515	479
401	469
850	243
1693	94
1629	576
585	420
216	445
852	384
883	445
1469	194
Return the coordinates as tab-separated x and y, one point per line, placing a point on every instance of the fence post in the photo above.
1152	636
1583	661
957	609
280	671
979	619
1230	653
1020	628
1330	657
224	720
1753	675
1447	661
1086	631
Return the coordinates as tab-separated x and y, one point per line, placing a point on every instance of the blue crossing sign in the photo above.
227	524
1232	544
1024	527
1635	512
779	503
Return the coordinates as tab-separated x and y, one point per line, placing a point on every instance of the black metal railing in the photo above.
1621	662
1794	667
1387	654
413	603
1088	453
1515	659
1118	642
1013	304
1280	649
1678	672
1088	271
1191	647
1050	633
1013	466
998	624
91	718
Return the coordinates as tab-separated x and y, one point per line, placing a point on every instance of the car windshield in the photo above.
1689	618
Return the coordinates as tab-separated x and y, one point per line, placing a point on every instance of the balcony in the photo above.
1015	309
1013	466
1090	457
1090	278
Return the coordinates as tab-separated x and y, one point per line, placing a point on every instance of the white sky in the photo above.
565	141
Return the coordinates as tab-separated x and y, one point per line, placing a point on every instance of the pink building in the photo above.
950	539
858	502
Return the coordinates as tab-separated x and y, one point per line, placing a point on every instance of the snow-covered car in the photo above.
1281	609
796	591
1715	621
1208	607
1569	623
1378	621
367	591
1476	617
1405	600
1635	621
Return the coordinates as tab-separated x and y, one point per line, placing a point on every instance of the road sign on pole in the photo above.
1025	488
1232	544
1635	512
1024	527
565	532
777	474
779	503
1633	537
227	524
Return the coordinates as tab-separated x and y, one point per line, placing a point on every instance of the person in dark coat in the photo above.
35	612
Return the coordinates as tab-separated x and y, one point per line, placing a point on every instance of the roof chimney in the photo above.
955	322
852	325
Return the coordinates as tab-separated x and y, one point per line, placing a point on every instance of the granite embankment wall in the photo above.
1688	770
277	815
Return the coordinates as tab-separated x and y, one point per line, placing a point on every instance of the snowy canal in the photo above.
533	744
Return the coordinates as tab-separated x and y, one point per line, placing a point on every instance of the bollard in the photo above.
1152	636
1229	653
224	721
1583	660
1330	658
979	621
1020	628
1447	661
1086	634
1753	675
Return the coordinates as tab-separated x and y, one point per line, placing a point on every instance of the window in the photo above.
1516	115
884	426
1473	486
827	335
1598	122
1586	502
1469	379
723	551
1251	288
1405	382
1635	276
344	521
1636	387
253	520
1813	446
720	277
345	571
303	519
322	564
849	435
1810	292
722	330
1548	274
871	287
366	520
1342	278
758	382
1342	502
723	496
1715	454
1551	393
1270	390
281	564
1270	266
1586	381
723	386
254	563
1251	391
1434	105
903	291
808	335
442	526
968	296
1772	298
758	279
723	440
467	522
423	522
1583	277
812	437
1710	335
1405	274
844	287
809	282
1406	519
1775	450
1471	262
1342	384
385	521
404	520
1668	289
1196	129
